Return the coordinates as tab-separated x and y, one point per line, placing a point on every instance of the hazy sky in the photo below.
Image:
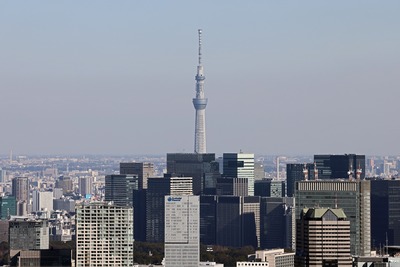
282	77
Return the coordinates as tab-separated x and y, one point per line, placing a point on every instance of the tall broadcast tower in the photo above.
200	103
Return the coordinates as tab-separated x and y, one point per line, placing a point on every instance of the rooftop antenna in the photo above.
350	172
315	171
305	172
200	31
358	172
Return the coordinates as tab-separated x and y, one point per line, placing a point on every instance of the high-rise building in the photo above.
201	167
351	196
182	231
323	238
42	201
232	221
232	187
2	175
385	207
8	207
143	170
200	103
27	234
86	185
20	188
119	188
240	165
269	188
340	166
157	189
65	183
104	235
296	172
276	222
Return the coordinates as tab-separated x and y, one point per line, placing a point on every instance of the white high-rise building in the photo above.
104	235
182	231
42	201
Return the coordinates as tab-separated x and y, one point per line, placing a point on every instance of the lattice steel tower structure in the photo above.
200	103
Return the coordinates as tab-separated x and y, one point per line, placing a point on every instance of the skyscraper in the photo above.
182	231
200	103
143	170
323	238
385	207
240	165
42	201
119	188
20	188
340	166
104	235
351	196
201	167
157	189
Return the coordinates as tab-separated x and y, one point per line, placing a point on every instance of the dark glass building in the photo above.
269	188
295	173
276	222
201	167
385	212
339	166
232	221
8	207
232	187
143	170
157	189
119	188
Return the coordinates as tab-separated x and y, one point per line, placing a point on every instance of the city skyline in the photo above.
298	78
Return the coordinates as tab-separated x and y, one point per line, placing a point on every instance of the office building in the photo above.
269	188
240	165
385	207
3	175
277	222
42	201
143	170
297	172
340	166
85	186
259	172
351	196
8	207
201	167
4	230
232	221
182	231
65	183
157	189
66	204
20	189
104	235
200	103
27	234
323	238
48	257
232	187
119	188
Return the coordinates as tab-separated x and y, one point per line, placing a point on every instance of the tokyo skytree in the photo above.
200	103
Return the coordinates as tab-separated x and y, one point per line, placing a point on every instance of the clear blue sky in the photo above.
282	77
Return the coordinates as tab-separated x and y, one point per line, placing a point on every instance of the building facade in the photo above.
323	238
201	167
340	166
182	231
143	170
240	165
119	188
157	189
20	188
351	196
104	235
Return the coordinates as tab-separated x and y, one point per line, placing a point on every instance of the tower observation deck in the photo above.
200	103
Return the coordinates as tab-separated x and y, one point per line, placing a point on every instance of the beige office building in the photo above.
323	238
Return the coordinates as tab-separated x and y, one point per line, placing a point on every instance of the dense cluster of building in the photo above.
321	214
